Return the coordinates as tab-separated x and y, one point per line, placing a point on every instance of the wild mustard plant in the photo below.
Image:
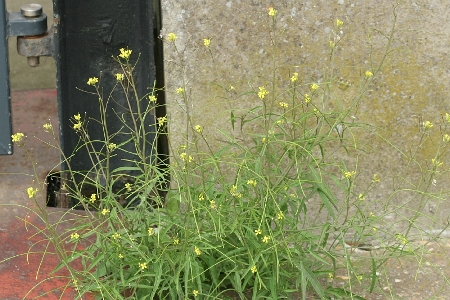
276	215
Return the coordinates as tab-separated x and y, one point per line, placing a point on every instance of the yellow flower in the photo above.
254	269
116	236
161	121
447	117
77	126
262	92
128	186
314	86
258	231
272	12
47	127
266	239
280	215
339	23
330	275
427	125
152	98
252	182
183	156
201	197
349	174
171	37
150	231
368	74
436	163
93	198
105	211
332	44
77	117
207	42
375	178
374	229
234	193
74	236
231	88
307	98
294	78
446	138
283	104
197	250
31	192
124	53
92	81
401	238
179	90
120	255
142	266
361	197
111	147
176	241
17	137
212	204
119	76
198	128
195	293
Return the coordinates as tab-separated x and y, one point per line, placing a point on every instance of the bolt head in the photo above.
31	10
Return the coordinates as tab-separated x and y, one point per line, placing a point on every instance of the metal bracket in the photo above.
30	26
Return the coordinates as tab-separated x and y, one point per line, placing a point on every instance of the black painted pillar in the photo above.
87	34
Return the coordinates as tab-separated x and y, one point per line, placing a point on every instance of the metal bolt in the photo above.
33	61
31	10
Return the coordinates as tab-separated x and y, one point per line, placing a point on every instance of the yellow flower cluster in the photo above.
111	147
368	74
150	231
161	121
17	137
78	124
152	98
339	23
446	138
171	37
254	269
262	92
92	81
234	193
75	236
272	12
47	127
427	125
125	53
116	236
252	182
186	158
31	192
283	104
307	98
258	231
128	186
179	90
266	239
280	215
105	211
294	77
198	128
314	86
119	76
93	198
207	42
349	174
197	251
142	266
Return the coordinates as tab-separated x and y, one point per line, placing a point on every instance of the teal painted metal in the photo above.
5	101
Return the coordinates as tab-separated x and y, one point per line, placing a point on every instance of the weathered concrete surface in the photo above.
409	88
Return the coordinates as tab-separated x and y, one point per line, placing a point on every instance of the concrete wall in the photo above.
411	86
